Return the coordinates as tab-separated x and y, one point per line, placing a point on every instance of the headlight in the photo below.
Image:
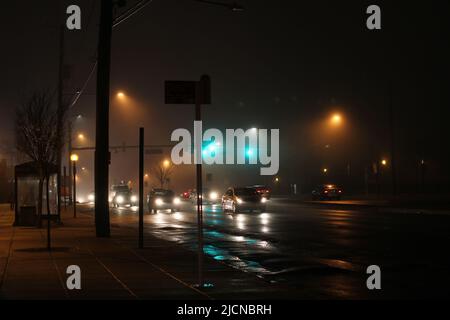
263	200
176	200
213	196
91	197
120	199
134	199
239	200
159	202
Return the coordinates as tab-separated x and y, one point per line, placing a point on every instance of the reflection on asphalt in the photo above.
310	247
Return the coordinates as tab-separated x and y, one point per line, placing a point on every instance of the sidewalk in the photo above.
112	268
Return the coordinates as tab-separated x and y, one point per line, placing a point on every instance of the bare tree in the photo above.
38	138
162	173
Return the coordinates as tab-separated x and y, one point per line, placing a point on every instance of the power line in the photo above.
131	12
121	18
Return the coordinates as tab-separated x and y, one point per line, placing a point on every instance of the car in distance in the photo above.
91	197
122	196
186	195
162	199
209	197
240	199
263	190
327	192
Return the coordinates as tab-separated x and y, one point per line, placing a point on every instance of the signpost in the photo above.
198	93
141	188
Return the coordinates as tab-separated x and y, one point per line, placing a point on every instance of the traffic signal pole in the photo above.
198	117
102	225
141	188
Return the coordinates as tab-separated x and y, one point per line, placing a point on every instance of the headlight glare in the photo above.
213	195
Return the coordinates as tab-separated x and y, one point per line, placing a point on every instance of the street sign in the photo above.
153	151
185	92
180	92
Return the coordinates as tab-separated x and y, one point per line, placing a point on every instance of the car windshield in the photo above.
121	189
163	193
245	192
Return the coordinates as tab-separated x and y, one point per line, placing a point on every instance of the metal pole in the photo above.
393	147
74	169
69	148
49	247
64	185
60	120
141	188
102	223
198	117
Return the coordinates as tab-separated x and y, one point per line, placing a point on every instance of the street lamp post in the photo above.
74	159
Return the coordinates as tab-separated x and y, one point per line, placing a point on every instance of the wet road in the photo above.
319	248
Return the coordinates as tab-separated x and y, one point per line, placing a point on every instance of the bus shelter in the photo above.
27	194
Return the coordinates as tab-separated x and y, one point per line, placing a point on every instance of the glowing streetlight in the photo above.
120	95
166	163
384	162
336	119
325	170
74	158
277	179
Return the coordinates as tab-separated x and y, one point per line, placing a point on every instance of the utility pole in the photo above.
102	225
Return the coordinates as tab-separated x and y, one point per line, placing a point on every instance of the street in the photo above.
313	248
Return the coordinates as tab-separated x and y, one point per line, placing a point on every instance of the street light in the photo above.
384	162
336	119
325	170
166	163
74	158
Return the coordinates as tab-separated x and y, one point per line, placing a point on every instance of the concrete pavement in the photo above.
112	268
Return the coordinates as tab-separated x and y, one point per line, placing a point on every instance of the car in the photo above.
327	192
162	199
91	197
208	196
123	196
239	199
187	195
263	190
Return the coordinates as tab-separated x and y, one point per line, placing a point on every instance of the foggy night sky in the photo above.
279	64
